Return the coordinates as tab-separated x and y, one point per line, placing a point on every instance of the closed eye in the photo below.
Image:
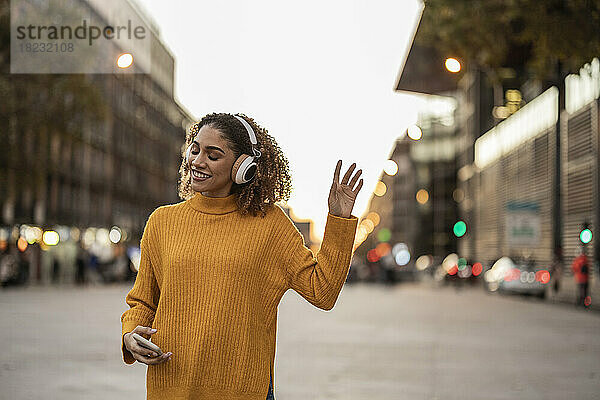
209	157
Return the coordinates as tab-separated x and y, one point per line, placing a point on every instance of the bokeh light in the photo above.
414	132
384	235
102	236
390	168
373	216
458	195
450	261
477	268
422	196
125	60
401	254
50	238
380	189
403	257
75	233
542	276
89	236
22	244
465	272
424	262
372	256
452	64
368	225
383	249
460	228
585	236
115	234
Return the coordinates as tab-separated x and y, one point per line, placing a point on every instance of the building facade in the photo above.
105	153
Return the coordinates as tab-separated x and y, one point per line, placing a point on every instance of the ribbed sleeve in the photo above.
318	279
143	296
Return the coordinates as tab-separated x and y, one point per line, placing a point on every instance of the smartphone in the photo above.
146	343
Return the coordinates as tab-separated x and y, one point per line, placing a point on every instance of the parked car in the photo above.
457	270
521	276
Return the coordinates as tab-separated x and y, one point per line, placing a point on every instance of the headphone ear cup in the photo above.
187	154
242	167
236	167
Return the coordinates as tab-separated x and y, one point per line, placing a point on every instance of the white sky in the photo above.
318	75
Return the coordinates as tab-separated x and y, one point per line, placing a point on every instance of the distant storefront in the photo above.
513	206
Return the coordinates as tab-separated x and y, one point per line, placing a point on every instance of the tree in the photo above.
528	38
56	102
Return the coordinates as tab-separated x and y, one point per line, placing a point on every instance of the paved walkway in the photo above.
405	342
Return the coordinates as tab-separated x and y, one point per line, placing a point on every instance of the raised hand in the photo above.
341	195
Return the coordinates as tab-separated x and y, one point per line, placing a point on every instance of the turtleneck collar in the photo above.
213	205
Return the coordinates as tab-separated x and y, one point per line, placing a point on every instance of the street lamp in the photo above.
125	60
452	65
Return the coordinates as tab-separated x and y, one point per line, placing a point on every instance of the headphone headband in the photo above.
251	134
248	129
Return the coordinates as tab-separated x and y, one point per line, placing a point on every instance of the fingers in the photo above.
135	348
354	178
336	174
141	353
355	191
152	360
347	174
144	329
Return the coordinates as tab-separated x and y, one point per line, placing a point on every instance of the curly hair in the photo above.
272	181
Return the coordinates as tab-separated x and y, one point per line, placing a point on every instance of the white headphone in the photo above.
244	168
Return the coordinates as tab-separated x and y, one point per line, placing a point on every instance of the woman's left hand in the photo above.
341	195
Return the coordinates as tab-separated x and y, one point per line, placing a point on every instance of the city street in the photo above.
407	342
448	151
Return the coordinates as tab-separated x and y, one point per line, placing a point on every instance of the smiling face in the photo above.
210	154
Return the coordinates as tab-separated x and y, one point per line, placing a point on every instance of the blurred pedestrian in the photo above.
214	267
55	270
14	266
121	264
80	265
94	276
23	276
580	269
389	269
373	271
9	265
131	270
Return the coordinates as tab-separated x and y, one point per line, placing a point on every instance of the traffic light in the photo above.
585	236
460	228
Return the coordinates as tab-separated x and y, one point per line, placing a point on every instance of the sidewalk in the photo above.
568	292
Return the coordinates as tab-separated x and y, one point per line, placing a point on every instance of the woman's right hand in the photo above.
140	353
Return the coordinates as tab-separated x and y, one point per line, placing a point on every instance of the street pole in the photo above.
557	209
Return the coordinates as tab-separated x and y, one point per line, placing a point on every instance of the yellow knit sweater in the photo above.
210	281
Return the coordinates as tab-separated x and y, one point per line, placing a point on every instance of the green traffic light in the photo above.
585	236
460	228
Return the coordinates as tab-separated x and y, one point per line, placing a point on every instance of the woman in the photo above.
212	271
